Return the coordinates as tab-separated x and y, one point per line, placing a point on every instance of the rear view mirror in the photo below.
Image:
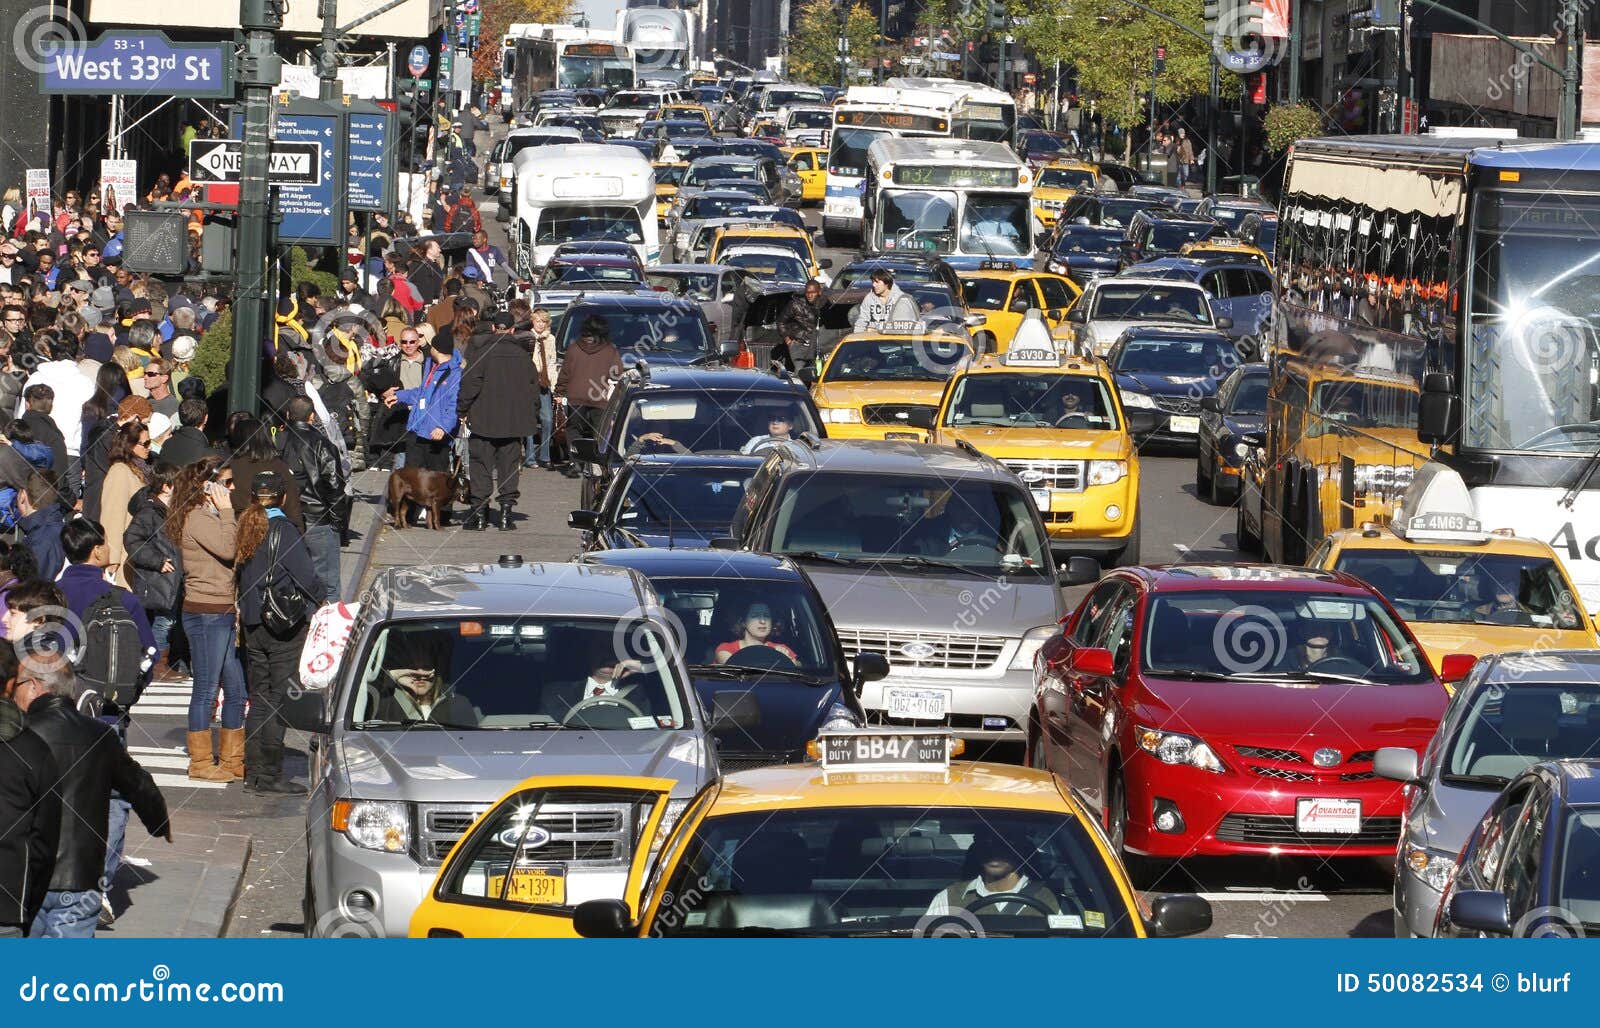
1175	915
1091	660
583	520
1455	667
920	417
825	263
602	919
1079	571
728	349
1254	440
1076	316
1436	409
1224	322
583	450
808	375
304	711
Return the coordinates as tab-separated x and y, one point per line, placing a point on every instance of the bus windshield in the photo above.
595	73
914	220
810	119
1535	309
997	223
847	153
585	222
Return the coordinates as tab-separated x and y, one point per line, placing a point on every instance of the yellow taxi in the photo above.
669	175
882	835
1460	588
764	233
1057	182
811	164
1231	248
881	385
696	112
1002	292
1058	422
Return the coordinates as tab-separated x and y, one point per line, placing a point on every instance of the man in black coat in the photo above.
499	402
29	809
188	442
40	400
324	498
91	761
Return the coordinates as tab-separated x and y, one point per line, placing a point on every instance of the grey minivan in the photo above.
458	683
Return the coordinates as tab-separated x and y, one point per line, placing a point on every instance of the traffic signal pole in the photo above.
259	70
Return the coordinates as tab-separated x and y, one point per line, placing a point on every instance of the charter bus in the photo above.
965	200
866	114
583	192
1464	275
976	111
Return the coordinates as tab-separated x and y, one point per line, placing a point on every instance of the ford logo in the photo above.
1031	475
902	415
1327	757
534	838
918	650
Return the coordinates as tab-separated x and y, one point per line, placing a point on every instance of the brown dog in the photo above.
431	490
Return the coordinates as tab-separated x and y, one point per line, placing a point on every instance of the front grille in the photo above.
580	833
1271	830
892	413
956	722
1177	404
1263	753
1282	774
950	651
1065	475
1056	517
731	762
1358	776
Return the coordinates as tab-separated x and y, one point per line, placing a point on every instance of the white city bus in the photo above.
965	200
867	114
583	192
976	111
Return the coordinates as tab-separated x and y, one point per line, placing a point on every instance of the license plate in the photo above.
1342	817
1182	424
1041	498
917	704
546	886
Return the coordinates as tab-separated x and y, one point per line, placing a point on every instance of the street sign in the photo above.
142	62
911	61
298	164
371	137
220	160
215	160
944	55
311	213
417	61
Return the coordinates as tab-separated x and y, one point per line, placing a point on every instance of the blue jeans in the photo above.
116	833
215	655
547	425
323	543
67	915
161	623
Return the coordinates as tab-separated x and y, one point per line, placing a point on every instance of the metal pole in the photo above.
259	70
1295	8
1150	145
328	61
883	34
1211	128
1055	110
1569	118
1403	70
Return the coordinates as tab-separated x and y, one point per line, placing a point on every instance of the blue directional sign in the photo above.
142	62
370	157
313	214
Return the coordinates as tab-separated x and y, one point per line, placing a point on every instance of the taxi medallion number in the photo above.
917	704
1340	817
1184	424
541	886
867	750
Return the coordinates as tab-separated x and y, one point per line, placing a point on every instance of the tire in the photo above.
1031	756
1116	817
1205	485
1247	542
836	240
1222	491
1128	556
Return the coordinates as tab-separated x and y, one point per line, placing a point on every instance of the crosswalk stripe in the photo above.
164	760
169	690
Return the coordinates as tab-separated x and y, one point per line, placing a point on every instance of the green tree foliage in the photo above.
1286	123
216	344
1111	45
814	44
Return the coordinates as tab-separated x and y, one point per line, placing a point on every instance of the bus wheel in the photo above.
1246	541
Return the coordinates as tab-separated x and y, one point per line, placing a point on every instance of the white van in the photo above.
583	191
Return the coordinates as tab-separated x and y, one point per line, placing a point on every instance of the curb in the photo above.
352	585
238	887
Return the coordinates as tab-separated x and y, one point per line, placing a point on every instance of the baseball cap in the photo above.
159	425
78	285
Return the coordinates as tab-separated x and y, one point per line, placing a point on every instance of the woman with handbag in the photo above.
277	586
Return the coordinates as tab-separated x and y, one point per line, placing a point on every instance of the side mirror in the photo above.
1091	660
1397	763
1455	667
1224	322
975	320
1436	408
1079	571
1211	405
728	349
921	418
304	711
825	263
735	710
1054	313
583	520
1076	316
1254	440
1174	915
1143	422
584	450
1481	911
602	919
870	667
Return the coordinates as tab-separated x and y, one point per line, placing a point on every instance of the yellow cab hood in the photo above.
854	394
1040	443
1053	193
1440	639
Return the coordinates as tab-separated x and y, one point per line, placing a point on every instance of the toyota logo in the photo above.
918	650
1327	757
1031	475
530	838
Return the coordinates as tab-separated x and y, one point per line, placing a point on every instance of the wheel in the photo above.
1128	556
1245	540
1204	484
832	238
1034	757
1223	490
1116	815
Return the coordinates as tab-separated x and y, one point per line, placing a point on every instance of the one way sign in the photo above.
220	160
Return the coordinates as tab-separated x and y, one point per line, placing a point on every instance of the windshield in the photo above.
632	99
1456	586
703	206
1580	867
1509	728
998	224
670	174
774	267
756	623
1041	401
847	150
696	285
1532	383
1231	216
793	244
1250	396
586	223
987	294
810	119
714	422
929	359
1151	302
522	141
981	525
1194	358
893	870
1066	178
772	99
1043	142
589	274
1089	241
673	328
1267	235
917	221
595	73
1235	633
1166	237
859	276
520	672
660	497
699	174
1117	213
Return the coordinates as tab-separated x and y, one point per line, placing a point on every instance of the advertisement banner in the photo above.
38	182
119	184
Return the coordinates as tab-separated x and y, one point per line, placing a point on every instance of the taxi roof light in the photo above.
1436	506
893	749
1032	345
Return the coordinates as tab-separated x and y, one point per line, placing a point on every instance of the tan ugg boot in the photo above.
201	767
232	756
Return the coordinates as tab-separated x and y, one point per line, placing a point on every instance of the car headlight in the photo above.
1176	748
1107	472
374	825
1057	267
669	817
840	415
1133	399
840	718
1031	641
1241	451
1433	868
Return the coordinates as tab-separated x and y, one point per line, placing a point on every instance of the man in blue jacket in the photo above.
431	426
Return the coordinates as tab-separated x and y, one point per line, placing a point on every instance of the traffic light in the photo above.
412	120
997	15
1161	59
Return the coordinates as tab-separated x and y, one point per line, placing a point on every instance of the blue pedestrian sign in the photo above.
311	213
136	61
370	156
417	62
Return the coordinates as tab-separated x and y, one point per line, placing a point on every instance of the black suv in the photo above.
1098	209
1160	232
761	649
667	499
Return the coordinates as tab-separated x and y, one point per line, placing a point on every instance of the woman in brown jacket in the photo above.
128	471
202	524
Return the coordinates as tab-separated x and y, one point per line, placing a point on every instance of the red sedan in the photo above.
1234	709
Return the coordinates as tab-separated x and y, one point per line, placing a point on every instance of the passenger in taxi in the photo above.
1000	886
754	629
414	689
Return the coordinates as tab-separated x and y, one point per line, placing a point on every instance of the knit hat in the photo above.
183	349
97	347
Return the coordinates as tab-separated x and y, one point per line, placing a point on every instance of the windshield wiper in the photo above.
1495	782
410	722
826	558
1590	466
740	671
913	560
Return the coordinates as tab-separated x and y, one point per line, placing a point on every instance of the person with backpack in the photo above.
154	564
203	526
278	590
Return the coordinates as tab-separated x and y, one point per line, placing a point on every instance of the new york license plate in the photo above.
917	704
545	886
1184	424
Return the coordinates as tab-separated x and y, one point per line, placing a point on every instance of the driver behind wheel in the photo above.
754	629
1316	639
999	874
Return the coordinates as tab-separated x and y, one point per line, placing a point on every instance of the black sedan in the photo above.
1169	370
667	500
1239	406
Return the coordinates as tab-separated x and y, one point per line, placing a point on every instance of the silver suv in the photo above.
457	684
934	556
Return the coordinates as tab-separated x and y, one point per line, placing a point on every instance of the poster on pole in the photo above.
119	184
38	180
